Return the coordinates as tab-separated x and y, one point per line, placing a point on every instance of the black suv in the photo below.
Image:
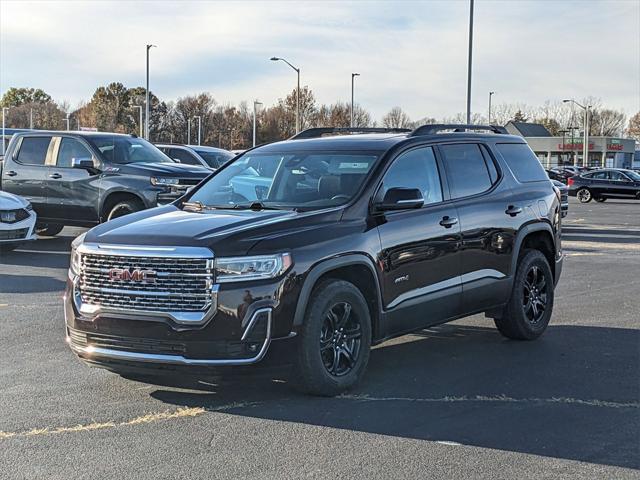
346	241
84	178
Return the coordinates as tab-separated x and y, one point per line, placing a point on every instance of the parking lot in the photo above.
457	400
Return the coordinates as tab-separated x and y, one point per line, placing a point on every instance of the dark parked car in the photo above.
359	238
84	178
559	175
606	183
209	157
564	196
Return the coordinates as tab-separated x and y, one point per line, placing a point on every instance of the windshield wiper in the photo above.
256	206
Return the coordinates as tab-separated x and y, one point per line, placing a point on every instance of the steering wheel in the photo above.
340	196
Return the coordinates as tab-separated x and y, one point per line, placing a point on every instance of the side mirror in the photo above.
401	199
83	163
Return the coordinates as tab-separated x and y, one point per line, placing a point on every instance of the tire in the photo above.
584	195
601	199
48	230
123	208
330	361
522	318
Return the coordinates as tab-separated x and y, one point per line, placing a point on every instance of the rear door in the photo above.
73	193
488	232
419	256
25	172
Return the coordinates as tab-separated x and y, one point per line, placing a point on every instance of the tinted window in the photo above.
613	175
125	149
70	149
522	162
33	150
598	175
215	159
466	169
184	156
415	169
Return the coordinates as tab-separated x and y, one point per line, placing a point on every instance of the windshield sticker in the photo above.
354	165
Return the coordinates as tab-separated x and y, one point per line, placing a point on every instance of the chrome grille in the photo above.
177	284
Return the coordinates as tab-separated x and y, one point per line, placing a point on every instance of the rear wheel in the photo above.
529	310
335	340
584	195
49	229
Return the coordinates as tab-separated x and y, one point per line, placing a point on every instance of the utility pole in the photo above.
188	131
199	126
470	62
67	120
31	118
490	95
255	113
146	96
353	76
139	107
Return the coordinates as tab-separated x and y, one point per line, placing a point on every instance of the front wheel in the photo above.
584	195
123	208
335	340
529	310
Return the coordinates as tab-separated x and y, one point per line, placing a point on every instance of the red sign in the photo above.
614	146
574	146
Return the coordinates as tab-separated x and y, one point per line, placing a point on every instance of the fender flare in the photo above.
521	235
325	266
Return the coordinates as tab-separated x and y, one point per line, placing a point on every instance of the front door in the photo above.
73	193
419	254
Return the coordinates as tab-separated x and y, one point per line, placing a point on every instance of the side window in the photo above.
467	169
184	157
33	150
70	149
613	175
415	169
522	162
598	175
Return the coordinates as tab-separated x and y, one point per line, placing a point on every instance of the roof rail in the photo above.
456	127
320	131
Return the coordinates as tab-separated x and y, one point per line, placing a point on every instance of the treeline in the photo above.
114	108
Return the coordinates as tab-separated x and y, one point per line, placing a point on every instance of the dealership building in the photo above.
609	152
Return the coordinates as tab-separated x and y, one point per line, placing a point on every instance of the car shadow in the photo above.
29	284
51	252
572	394
587	234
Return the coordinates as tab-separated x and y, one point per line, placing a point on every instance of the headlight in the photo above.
235	269
74	265
29	207
164	181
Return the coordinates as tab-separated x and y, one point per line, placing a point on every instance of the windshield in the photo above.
123	149
307	180
215	159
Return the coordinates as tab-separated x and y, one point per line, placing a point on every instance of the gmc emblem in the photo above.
126	275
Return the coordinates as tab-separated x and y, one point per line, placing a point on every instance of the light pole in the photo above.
490	95
139	107
31	118
275	59
146	97
585	141
66	119
469	63
199	126
255	112
353	76
4	110
188	131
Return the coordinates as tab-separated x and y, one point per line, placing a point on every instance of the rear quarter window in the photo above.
522	162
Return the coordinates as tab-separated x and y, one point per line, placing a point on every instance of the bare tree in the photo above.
633	129
397	118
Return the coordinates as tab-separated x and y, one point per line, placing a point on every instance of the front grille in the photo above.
189	181
14	234
13	216
132	344
153	284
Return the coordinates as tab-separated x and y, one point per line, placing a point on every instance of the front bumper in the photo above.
18	232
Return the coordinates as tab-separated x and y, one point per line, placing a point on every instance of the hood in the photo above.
9	201
164	169
227	232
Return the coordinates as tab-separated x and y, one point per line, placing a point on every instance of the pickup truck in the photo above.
86	178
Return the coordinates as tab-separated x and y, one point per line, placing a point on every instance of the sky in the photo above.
409	54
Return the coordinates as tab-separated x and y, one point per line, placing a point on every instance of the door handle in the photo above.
55	175
513	210
11	173
448	222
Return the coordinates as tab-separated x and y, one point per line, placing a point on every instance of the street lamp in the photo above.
4	110
469	62
139	107
353	76
66	119
188	131
490	95
585	141
199	126
146	96
255	110
275	59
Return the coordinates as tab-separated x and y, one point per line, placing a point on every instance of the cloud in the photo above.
411	54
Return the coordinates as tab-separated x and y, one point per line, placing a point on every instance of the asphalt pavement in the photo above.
456	401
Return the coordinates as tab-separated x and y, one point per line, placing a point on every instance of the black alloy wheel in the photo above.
340	339
534	296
